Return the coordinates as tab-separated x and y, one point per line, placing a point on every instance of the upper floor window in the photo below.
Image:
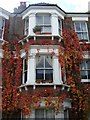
44	70
26	26
60	26
2	24
85	70
81	29
44	20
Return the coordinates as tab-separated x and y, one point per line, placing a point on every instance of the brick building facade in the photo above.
52	19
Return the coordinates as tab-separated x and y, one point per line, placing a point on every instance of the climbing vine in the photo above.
70	58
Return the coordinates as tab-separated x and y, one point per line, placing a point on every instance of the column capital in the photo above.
32	55
54	15
32	15
55	56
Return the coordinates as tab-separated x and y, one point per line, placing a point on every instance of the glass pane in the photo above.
25	76
25	64
48	75
50	113
40	63
27	23
88	65
84	35
79	36
83	26
1	24
59	23
60	32
39	74
26	32
66	115
83	65
84	74
47	19
0	33
39	20
77	26
39	113
48	62
88	74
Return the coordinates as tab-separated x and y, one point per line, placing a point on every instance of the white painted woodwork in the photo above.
31	70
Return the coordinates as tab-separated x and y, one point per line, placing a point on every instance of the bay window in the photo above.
44	21
81	29
44	70
85	70
41	68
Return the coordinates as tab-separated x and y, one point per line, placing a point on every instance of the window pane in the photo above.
39	113
25	64
43	113
79	36
1	24
39	20
88	74
83	66
0	33
47	19
48	62
83	26
66	115
40	61
88	65
48	75
84	35
84	74
27	23
39	74
59	23
50	113
77	26
25	77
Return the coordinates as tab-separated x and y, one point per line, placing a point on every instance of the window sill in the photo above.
54	85
85	80
44	83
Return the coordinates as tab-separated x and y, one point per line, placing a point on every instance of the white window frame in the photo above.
86	70
43	25
24	72
27	26
81	31
44	68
